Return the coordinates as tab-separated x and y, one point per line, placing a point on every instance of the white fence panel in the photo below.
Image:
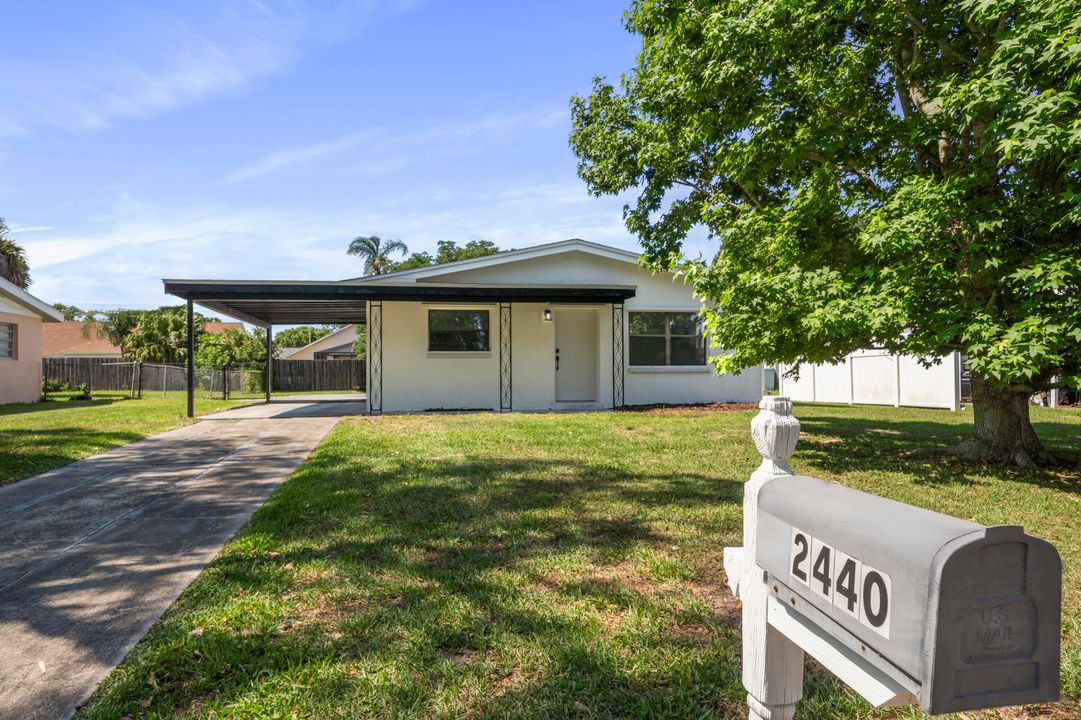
872	377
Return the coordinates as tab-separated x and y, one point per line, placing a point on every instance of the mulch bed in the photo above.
662	408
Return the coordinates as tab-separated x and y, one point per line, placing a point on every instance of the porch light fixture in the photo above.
547	314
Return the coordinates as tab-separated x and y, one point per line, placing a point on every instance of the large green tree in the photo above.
14	266
376	252
231	348
903	175
301	335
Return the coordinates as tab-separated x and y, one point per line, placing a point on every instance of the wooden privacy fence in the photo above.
136	378
96	373
313	375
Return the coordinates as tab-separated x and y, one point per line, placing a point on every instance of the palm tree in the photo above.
376	252
13	265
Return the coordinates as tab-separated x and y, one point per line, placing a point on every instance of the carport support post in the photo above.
772	664
269	359
191	362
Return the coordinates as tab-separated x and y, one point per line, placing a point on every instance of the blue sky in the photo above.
254	139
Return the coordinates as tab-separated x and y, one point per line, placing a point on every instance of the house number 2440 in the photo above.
849	585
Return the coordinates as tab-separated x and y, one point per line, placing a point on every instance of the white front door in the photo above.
576	355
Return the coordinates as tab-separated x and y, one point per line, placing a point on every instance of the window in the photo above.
458	331
665	338
7	341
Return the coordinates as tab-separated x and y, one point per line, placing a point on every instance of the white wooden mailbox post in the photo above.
902	604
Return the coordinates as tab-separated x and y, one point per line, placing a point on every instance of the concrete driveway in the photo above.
93	553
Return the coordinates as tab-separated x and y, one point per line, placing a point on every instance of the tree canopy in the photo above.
447	251
70	312
903	175
231	348
301	335
14	267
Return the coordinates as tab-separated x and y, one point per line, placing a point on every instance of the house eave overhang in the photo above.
265	302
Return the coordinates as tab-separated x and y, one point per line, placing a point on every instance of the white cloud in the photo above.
122	263
159	61
387	149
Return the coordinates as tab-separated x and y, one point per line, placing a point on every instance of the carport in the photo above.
265	303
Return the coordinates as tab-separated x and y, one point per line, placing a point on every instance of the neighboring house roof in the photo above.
346	349
215	328
499	258
318	341
68	338
23	299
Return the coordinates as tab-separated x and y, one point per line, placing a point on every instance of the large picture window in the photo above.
458	331
7	341
666	338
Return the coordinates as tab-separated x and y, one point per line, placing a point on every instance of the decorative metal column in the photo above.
617	356
269	360
191	360
505	391
375	358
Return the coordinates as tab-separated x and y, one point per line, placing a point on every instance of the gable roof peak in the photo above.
505	256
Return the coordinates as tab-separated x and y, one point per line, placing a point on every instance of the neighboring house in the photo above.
75	339
22	317
569	325
338	345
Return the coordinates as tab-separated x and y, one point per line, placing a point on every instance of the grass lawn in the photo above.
40	436
542	566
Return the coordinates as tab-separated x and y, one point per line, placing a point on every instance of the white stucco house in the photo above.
570	325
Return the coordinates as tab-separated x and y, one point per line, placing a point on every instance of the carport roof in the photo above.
272	302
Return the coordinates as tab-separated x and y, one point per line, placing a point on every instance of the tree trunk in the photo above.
1002	431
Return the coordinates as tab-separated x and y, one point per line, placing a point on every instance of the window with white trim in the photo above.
665	338
7	341
458	331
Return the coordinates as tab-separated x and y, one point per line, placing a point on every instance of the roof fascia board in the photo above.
31	303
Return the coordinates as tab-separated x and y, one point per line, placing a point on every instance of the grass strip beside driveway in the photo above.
540	566
36	437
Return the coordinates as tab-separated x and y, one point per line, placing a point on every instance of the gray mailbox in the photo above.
964	616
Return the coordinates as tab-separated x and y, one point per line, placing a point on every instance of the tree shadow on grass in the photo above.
920	449
511	579
57	404
29	452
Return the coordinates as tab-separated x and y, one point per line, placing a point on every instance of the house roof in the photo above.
287	302
507	256
346	349
317	341
24	299
290	302
68	338
214	327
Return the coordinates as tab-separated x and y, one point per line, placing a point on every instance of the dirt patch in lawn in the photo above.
664	408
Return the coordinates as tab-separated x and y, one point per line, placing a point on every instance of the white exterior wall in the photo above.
877	378
416	380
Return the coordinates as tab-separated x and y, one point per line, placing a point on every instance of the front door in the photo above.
576	355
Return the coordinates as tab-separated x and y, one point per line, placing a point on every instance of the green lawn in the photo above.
541	566
40	436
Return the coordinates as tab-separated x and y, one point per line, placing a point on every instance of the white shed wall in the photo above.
876	378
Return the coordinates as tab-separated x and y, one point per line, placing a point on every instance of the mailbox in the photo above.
963	615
